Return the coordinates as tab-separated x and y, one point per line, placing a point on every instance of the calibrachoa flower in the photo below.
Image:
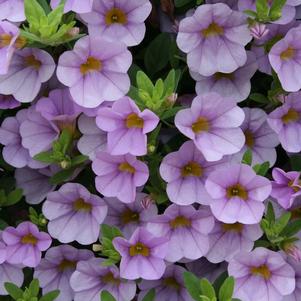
186	230
95	71
92	277
29	68
78	6
12	10
25	244
142	256
55	270
296	293
238	194
169	287
127	127
8	102
235	85
285	187
286	122
185	172
213	123
118	176
74	214
214	38
119	20
261	275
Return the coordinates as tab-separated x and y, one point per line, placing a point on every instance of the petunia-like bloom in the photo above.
235	85
78	6
260	138
285	60
286	122
55	270
25	244
118	176
169	287
74	214
127	127
261	275
185	172
92	277
285	187
12	10
213	123
118	20
295	295
8	102
186	230
214	38
29	68
95	71
238	194
142	256
226	240
127	217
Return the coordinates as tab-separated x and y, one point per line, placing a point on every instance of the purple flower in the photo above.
259	30
10	273
12	10
285	187
25	244
295	295
142	256
8	102
238	194
78	6
260	138
91	278
185	172
186	230
214	38
235	85
169	287
74	214
118	176
127	217
95	70
286	122
261	275
119	20
127	127
29	68
55	270
213	123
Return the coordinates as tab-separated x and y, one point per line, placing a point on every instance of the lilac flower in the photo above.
260	138
55	270
127	127
95	71
212	123
285	187
285	60
261	275
12	10
118	176
91	278
286	122
8	102
214	38
142	256
235	85
186	230
3	252
185	172
29	68
295	295
78	6
169	287
25	244
238	194
74	214
127	217
119	20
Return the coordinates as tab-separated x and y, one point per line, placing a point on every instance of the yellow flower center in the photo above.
110	279
5	40
29	239
237	190
220	75
67	264
180	222
287	54
126	167
91	65
291	185
192	169
236	227
115	15
212	30
31	61
291	116
172	282
139	249
81	205
249	138
262	271
134	121
201	125
128	216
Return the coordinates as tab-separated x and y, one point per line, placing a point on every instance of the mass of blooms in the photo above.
150	150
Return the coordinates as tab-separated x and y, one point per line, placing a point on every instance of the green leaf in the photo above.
276	8
270	215
46	157
106	296
247	157
226	290
44	4
65	140
250	13
170	113
110	231
262	9
260	98
144	83
295	161
13	197
207	288
261	169
14	291
170	83
158	90
150	296
55	17
34	287
79	160
50	296
281	222
291	229
33	11
192	284
180	3
62	176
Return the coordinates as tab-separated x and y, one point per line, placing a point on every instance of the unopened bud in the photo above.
97	248
73	32
293	251
258	30
147	202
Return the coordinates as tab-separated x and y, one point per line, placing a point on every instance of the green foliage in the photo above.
262	169
150	296
11	198
106	296
37	218
247	157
